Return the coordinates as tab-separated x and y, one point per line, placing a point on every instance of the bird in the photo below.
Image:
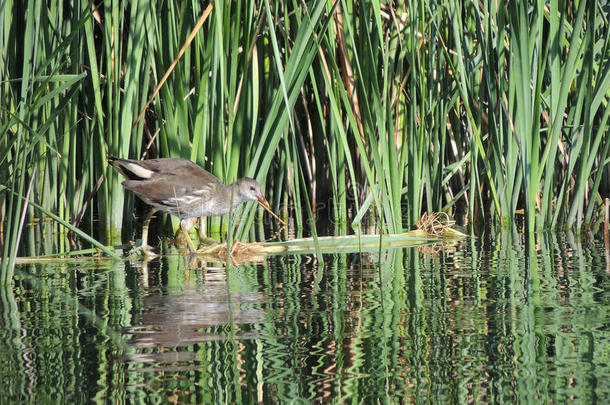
184	189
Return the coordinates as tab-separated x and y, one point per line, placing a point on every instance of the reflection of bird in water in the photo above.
188	318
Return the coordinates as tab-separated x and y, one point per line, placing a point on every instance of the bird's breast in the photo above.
191	206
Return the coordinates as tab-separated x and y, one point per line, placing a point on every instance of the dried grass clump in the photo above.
435	224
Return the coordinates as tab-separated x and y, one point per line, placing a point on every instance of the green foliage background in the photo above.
412	106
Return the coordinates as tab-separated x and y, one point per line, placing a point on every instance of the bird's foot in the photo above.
205	241
143	251
213	247
216	247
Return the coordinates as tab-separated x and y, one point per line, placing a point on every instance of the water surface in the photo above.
495	319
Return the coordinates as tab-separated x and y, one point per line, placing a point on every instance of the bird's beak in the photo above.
264	203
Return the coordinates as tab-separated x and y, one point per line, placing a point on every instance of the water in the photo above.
486	320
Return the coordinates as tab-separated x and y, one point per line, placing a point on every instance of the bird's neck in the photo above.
232	194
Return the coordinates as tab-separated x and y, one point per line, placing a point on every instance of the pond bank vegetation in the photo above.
342	110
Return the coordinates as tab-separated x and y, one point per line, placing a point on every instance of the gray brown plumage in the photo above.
184	189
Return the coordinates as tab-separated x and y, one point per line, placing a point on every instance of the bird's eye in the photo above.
252	188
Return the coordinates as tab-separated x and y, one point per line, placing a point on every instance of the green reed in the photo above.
470	108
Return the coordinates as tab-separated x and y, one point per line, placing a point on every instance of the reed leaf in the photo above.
351	110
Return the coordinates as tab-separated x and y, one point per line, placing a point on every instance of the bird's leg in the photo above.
203	239
186	225
201	229
144	249
145	227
